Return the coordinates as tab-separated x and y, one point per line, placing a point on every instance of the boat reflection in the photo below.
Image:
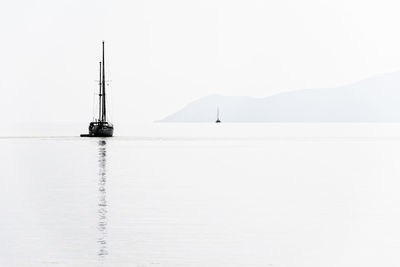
102	201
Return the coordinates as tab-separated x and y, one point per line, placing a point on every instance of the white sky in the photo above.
163	54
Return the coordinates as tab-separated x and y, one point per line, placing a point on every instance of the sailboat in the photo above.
100	127
218	120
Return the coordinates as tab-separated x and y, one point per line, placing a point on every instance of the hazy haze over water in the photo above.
164	54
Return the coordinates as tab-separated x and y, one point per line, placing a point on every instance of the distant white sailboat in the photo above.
218	120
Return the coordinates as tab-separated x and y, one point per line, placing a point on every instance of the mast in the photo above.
100	93
103	116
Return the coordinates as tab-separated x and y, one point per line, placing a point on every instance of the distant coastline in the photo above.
372	100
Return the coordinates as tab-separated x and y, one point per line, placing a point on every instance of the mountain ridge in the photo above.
375	99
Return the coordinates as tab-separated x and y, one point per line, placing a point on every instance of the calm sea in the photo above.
202	195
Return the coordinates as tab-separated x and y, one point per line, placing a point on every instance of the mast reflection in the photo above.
102	201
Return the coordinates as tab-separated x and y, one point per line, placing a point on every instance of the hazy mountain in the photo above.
372	100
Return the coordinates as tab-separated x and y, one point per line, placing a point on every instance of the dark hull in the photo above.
102	132
99	130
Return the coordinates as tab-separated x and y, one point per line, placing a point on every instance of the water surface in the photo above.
203	195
